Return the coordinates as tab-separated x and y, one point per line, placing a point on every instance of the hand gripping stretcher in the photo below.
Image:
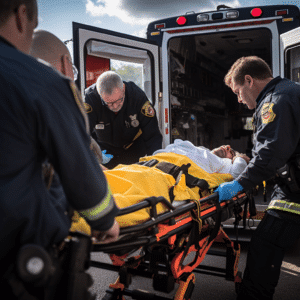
158	247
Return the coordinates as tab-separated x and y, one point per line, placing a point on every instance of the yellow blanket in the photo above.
131	184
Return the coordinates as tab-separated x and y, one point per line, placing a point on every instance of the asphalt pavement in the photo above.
208	286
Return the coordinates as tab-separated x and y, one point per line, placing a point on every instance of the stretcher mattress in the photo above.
131	184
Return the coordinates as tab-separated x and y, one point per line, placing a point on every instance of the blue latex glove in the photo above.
228	190
106	157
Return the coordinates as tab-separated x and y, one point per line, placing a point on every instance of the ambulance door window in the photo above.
131	64
292	71
129	71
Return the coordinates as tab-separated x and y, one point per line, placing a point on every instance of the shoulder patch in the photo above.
267	113
88	108
148	110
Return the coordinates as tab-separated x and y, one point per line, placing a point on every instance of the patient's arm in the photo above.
239	163
243	156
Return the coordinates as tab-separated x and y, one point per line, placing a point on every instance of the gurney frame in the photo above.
165	241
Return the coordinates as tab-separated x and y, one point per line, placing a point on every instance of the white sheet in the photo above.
205	159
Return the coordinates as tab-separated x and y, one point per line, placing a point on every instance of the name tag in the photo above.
99	126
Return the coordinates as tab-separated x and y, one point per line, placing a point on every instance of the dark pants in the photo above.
265	255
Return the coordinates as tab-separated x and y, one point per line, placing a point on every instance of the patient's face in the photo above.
224	151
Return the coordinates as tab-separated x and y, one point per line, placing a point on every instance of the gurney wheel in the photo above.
186	288
109	296
238	282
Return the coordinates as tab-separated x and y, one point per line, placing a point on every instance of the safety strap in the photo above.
176	172
285	206
191	181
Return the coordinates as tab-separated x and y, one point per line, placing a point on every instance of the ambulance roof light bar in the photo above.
202	18
231	14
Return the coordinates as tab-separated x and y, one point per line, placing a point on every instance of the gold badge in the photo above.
267	113
88	108
134	121
148	110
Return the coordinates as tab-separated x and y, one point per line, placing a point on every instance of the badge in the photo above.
267	114
148	110
134	121
87	107
99	126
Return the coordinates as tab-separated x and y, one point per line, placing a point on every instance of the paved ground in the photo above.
210	287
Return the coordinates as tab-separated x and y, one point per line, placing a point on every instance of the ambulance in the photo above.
183	62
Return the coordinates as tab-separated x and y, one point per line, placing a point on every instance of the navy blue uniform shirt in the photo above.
116	131
40	120
276	134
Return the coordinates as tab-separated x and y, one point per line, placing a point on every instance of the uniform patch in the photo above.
148	110
267	113
88	108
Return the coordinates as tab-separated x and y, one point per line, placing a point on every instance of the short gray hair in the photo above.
107	82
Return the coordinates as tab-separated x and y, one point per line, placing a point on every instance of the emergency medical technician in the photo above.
121	119
50	49
276	151
40	119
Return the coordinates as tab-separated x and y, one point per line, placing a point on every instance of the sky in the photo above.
125	16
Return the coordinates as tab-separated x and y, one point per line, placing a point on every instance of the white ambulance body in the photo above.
184	61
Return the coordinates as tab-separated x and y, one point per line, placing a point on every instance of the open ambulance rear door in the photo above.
290	54
97	50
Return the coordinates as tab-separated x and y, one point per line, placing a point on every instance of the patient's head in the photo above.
226	151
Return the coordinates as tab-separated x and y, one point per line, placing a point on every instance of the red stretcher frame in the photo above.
165	241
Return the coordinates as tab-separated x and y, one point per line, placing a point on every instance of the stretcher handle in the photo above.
174	212
149	240
145	204
212	197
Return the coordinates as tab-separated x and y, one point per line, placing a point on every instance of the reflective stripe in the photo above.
285	206
101	209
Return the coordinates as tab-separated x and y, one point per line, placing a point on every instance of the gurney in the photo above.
158	246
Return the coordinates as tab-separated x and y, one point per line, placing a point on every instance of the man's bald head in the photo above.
51	49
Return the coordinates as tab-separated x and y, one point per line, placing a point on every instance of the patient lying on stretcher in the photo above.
131	184
219	160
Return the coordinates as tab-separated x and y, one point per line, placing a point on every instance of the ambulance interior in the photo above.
204	110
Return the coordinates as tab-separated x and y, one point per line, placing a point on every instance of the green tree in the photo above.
130	73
